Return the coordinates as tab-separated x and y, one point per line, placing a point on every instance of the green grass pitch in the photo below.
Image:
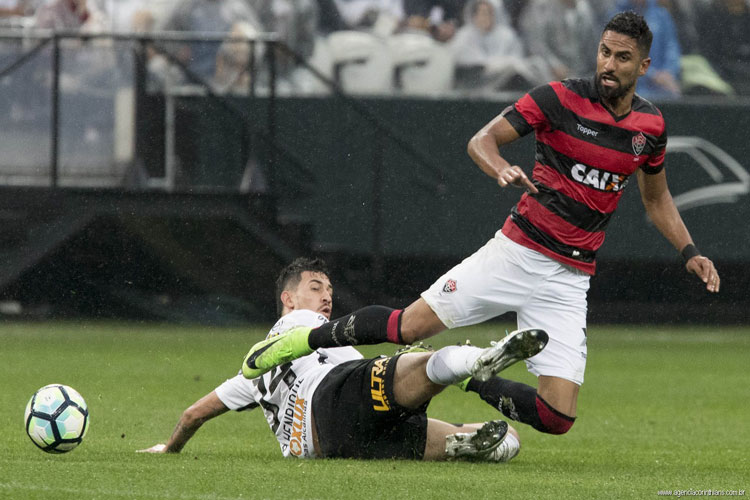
662	408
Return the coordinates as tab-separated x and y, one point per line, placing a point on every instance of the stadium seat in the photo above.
698	77
322	61
362	62
421	65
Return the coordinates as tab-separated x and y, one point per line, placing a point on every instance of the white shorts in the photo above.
504	276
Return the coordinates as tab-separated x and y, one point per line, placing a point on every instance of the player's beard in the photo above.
612	93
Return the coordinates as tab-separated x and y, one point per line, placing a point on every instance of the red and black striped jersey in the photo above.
584	158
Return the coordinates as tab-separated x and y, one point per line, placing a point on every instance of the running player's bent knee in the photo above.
551	421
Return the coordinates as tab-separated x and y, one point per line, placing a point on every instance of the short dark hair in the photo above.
633	25
291	275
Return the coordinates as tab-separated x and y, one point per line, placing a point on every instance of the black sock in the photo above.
521	403
369	325
515	400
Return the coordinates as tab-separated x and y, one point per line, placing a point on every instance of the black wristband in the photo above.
689	252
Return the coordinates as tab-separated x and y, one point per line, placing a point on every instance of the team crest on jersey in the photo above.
450	286
639	142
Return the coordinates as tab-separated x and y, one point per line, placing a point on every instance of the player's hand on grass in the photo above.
157	448
516	177
705	270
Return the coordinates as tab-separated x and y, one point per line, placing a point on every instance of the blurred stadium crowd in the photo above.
421	46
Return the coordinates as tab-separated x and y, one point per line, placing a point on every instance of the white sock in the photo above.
452	364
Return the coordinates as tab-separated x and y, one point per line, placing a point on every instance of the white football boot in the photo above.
517	345
478	444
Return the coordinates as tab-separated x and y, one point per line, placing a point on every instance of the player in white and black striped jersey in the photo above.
334	403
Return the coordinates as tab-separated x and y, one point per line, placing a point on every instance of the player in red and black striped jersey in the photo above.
585	156
591	137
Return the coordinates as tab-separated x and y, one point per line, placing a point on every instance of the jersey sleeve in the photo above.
238	393
300	317
531	112
655	163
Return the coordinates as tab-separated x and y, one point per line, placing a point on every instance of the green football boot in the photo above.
464	384
275	351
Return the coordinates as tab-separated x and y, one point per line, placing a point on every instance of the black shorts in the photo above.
356	415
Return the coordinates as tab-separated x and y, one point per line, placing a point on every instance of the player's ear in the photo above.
287	299
645	63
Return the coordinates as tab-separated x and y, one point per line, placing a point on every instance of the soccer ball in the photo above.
56	418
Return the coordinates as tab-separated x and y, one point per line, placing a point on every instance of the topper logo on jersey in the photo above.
586	131
377	385
639	142
598	179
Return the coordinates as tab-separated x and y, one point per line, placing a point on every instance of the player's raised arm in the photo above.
483	149
664	214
